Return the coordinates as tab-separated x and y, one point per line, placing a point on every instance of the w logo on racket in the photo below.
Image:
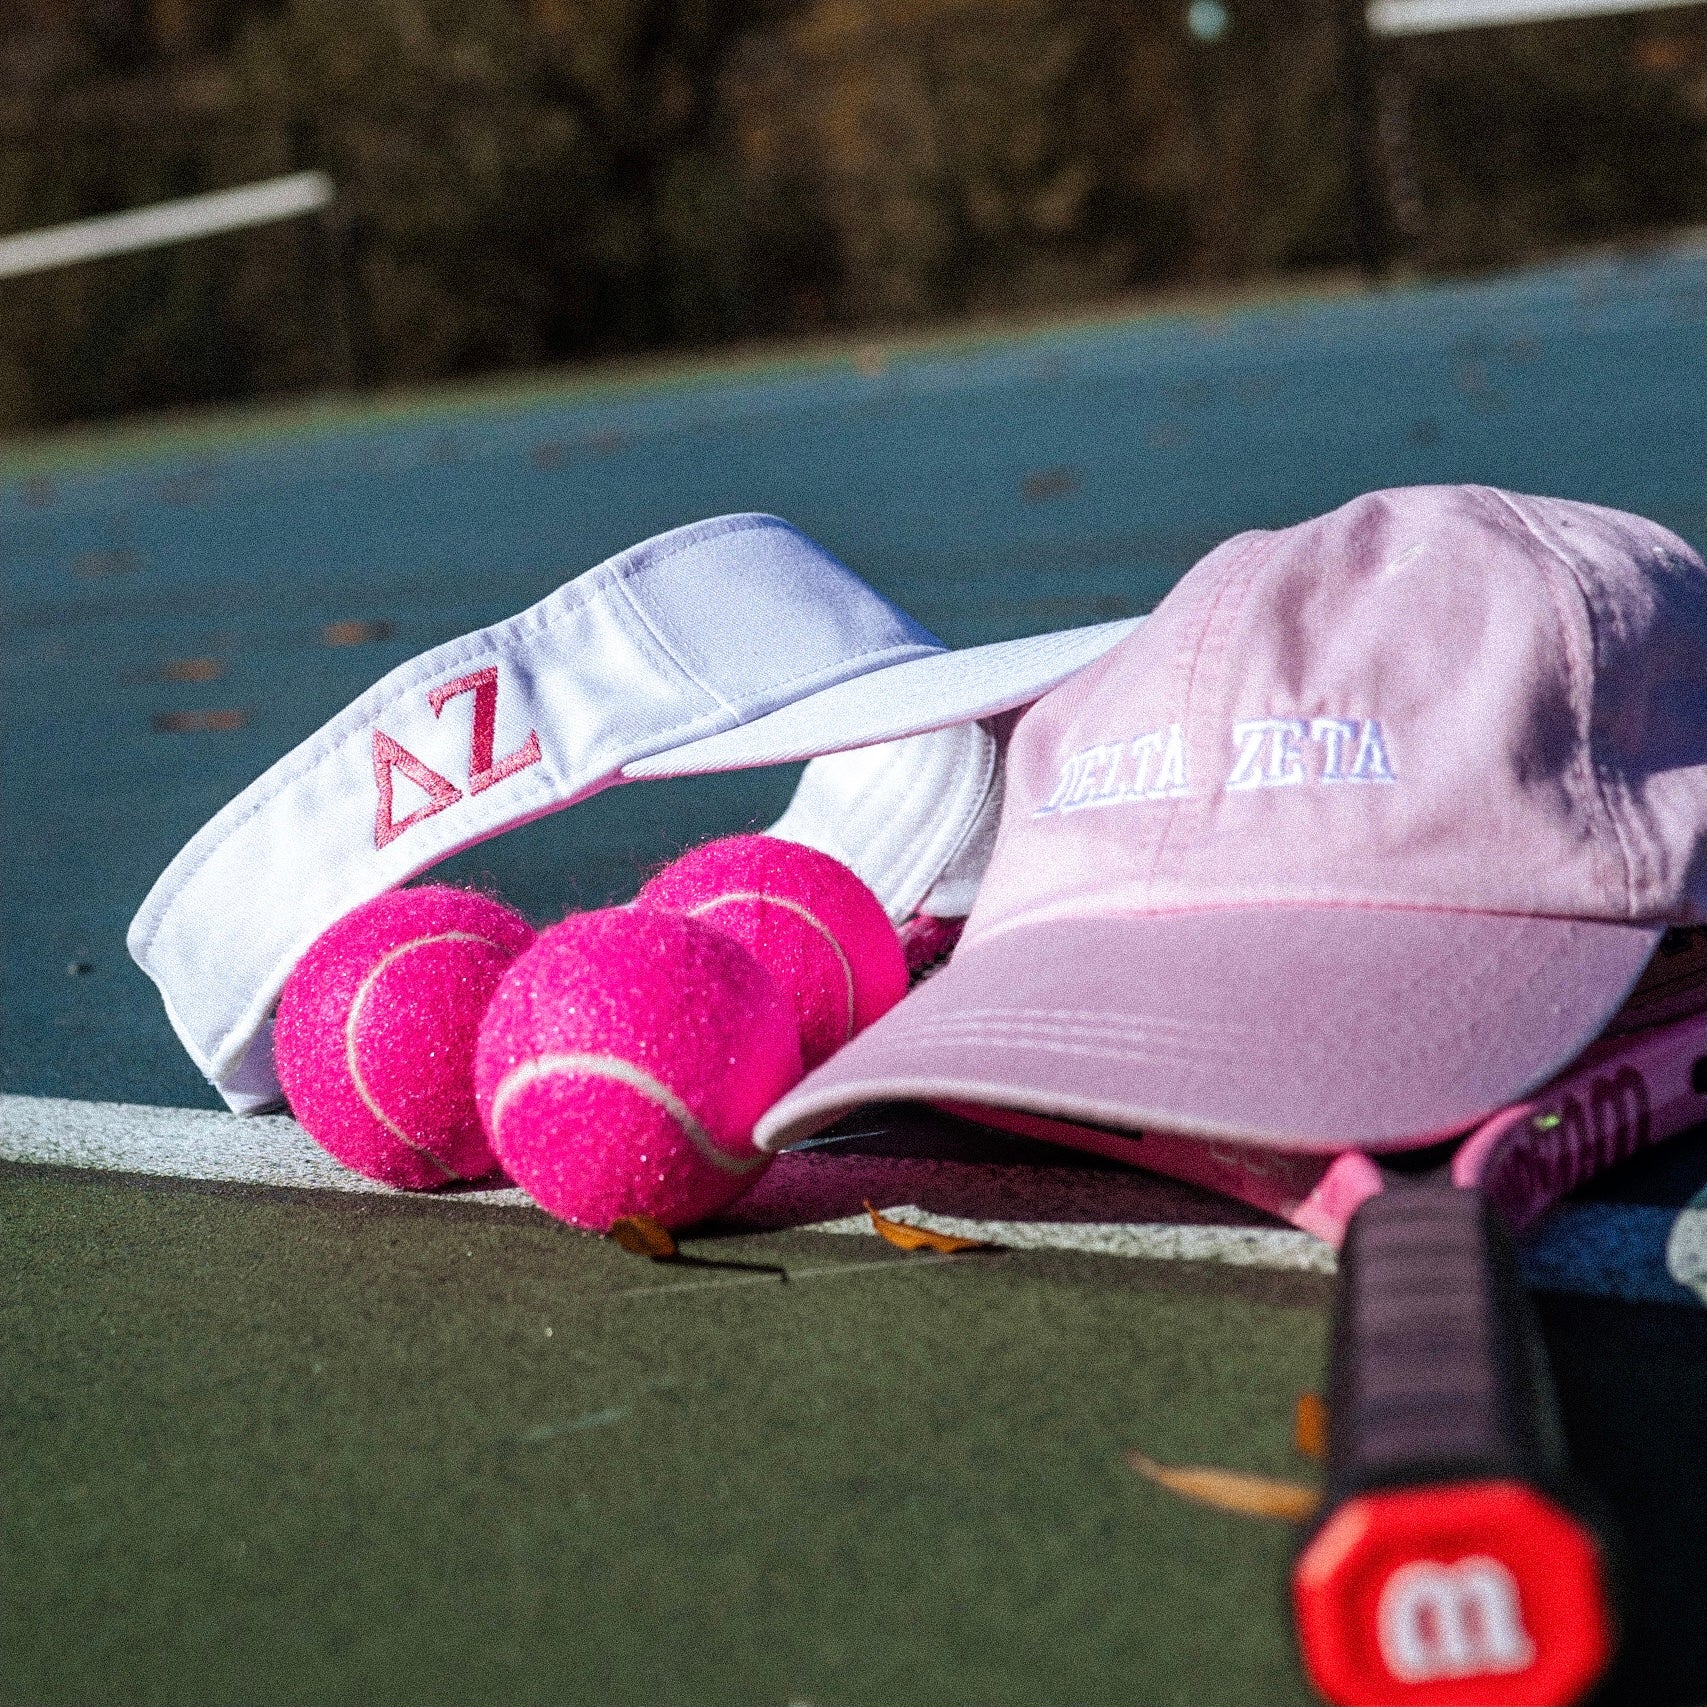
1570	1136
1439	1621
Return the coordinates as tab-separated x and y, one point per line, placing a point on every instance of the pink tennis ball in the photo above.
374	1038
623	1063
807	919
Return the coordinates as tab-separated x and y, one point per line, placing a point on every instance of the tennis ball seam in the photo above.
351	1059
799	911
636	1078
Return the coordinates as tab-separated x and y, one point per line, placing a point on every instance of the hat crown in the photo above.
1433	697
751	608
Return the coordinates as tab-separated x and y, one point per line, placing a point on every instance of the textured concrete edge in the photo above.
193	1144
1242	1247
1638	1253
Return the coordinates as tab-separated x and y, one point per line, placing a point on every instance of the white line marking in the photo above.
1636	1252
1686	1249
1244	1247
540	1433
1425	17
166	222
710	1285
1606	1250
1602	1250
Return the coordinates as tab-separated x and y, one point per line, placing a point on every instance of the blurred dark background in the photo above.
532	182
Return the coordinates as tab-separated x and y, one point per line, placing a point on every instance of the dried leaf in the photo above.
191	670
644	1237
906	1238
1310	1426
220	722
1231	1490
355	632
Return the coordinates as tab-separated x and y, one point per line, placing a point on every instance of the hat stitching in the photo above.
974	1024
989	775
620	584
1239	579
1610	780
1579	677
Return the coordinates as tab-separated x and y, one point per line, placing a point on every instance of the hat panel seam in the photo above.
644	618
906	868
1580	681
971	809
1239	576
1603	780
916	648
1611	781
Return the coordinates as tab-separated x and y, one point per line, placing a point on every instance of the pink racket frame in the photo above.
1623	1095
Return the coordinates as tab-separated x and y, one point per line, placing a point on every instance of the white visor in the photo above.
723	626
891	701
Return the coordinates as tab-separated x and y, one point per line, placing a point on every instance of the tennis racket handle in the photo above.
1449	1563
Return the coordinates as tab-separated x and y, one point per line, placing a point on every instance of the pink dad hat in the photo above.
1363	833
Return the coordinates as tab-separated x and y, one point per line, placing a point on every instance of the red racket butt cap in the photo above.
1483	1593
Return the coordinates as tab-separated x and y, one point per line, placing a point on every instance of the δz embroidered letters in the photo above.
391	757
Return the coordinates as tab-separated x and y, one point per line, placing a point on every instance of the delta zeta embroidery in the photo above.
1267	752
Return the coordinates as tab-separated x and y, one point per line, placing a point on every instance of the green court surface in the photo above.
278	1444
529	1468
324	1448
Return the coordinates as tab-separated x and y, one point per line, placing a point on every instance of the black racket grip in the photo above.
1437	1370
1451	1562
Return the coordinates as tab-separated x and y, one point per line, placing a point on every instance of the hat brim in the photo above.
888	704
1311	1029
